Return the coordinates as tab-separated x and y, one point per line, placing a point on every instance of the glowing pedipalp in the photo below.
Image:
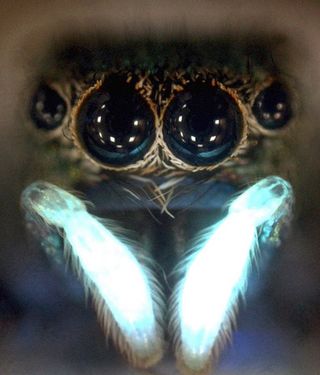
215	277
216	274
109	268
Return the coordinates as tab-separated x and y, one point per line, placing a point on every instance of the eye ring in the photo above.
238	147
144	158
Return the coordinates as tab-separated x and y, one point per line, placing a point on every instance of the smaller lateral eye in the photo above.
48	108
272	107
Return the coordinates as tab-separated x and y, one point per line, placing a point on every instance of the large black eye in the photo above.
48	108
115	124
272	107
202	125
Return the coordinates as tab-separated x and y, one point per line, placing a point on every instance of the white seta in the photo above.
109	269
216	273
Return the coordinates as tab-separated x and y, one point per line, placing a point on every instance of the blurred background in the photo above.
46	325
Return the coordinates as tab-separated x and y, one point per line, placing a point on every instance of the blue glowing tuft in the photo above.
108	267
216	274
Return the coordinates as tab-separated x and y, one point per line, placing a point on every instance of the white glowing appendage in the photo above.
108	266
217	273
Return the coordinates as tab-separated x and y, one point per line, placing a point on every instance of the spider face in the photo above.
182	119
129	118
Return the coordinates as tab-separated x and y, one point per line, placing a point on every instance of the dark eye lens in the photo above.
272	107
202	125
48	108
115	124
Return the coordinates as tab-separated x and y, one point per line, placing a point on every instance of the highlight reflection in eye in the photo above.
48	108
272	106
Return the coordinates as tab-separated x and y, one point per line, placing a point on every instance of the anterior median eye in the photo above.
48	108
203	124
114	124
272	107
